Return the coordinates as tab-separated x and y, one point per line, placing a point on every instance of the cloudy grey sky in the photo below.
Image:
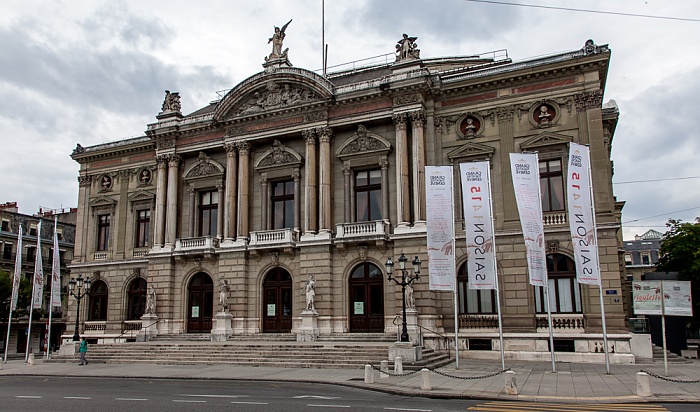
94	71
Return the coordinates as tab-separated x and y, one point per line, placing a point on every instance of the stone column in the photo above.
220	211
310	200
402	200
171	213
349	205
507	142
418	164
192	209
296	175
265	194
243	190
231	191
384	165
161	190
325	209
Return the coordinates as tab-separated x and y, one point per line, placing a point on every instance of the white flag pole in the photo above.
495	268
38	270
15	288
454	264
55	273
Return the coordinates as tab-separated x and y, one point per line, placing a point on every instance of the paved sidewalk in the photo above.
573	382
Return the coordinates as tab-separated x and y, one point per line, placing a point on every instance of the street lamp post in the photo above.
76	290
406	279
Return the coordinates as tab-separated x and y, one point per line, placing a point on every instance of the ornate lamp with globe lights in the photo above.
78	289
406	279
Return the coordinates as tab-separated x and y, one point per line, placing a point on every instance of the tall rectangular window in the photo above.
31	253
7	251
283	204
143	225
368	195
5	226
208	212
551	185
103	222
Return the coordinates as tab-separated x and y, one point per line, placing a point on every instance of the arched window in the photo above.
474	301
564	291
136	304
97	306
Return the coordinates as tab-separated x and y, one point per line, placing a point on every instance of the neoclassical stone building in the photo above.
293	174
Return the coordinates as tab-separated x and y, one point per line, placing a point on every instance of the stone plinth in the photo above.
407	351
222	327
149	327
308	331
412	325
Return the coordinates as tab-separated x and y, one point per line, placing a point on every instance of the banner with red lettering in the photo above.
478	222
439	216
38	289
526	182
18	272
581	218
56	269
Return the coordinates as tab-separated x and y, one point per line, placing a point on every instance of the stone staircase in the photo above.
658	357
254	350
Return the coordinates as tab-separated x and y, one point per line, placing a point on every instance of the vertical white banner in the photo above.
478	222
439	214
526	182
17	273
38	289
56	269
581	218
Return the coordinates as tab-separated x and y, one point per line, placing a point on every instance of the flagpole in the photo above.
38	268
15	288
54	269
495	269
456	284
29	326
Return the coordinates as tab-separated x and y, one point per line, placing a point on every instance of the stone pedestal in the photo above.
222	327
149	327
412	325
308	332
407	351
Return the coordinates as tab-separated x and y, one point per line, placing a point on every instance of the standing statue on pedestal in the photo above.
310	293
277	39
171	103
151	300
410	300
224	288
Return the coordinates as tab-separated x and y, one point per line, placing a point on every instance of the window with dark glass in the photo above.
103	222
7	251
32	231
5	226
97	305
143	224
136	299
208	212
473	301
368	195
564	292
283	204
551	185
31	253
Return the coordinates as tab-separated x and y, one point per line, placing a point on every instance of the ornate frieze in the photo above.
279	155
316	116
84	181
362	142
162	144
276	96
406	99
204	167
588	100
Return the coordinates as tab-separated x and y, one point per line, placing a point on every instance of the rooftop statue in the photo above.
407	48
171	103
277	39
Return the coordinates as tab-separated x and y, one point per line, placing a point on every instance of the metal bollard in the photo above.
369	374
398	365
384	367
511	385
30	359
425	374
643	387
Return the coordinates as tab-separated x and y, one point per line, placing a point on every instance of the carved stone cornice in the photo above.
165	144
234	131
588	100
316	116
406	99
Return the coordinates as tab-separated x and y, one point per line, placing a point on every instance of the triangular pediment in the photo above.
472	150
102	201
278	156
204	167
142	196
544	139
363	143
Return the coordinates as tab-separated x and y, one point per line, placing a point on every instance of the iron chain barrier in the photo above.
669	379
490	375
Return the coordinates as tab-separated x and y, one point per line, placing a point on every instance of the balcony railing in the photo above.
100	256
131	326
478	321
566	322
373	230
554	218
95	326
196	244
273	237
141	252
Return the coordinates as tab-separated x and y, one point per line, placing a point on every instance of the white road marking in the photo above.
188	401
410	410
218	396
316	397
29	397
76	397
249	403
130	399
327	406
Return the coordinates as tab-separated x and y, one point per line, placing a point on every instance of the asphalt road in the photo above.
57	394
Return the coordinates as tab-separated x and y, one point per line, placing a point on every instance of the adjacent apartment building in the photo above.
293	174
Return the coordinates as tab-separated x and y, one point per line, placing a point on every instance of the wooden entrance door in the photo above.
277	302
366	299
200	304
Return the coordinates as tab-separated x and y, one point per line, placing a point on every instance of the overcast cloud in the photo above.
94	71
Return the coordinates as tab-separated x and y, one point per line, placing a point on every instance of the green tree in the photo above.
23	299
5	293
680	252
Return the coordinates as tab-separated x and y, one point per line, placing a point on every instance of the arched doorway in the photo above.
277	301
136	299
366	299
200	304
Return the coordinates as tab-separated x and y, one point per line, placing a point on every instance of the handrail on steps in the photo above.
397	318
123	333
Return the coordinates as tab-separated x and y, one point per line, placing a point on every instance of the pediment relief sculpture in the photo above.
471	151
545	139
278	155
204	167
275	96
362	143
102	204
141	196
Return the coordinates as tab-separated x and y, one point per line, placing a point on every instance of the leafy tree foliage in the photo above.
25	294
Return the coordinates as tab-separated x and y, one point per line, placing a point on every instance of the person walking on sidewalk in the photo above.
83	350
